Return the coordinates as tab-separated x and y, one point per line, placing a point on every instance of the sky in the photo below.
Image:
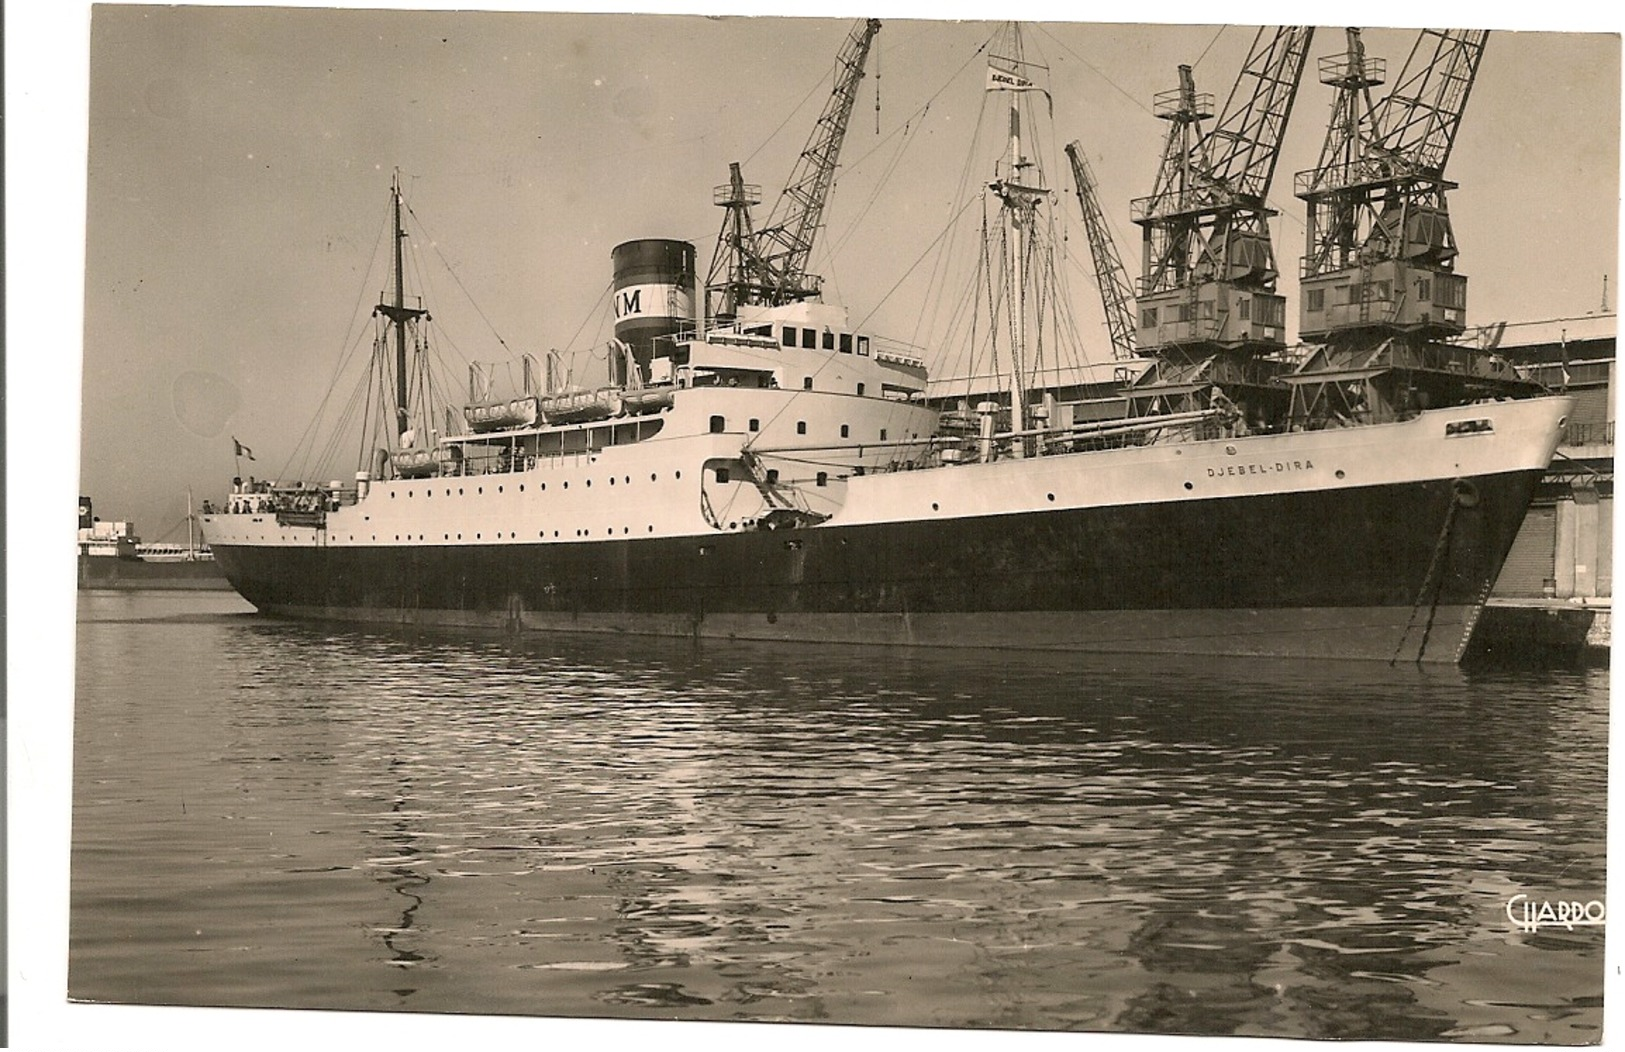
194	196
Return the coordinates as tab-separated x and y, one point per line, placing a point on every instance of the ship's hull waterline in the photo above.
1395	570
99	572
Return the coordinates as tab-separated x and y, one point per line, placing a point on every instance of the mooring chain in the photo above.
1459	496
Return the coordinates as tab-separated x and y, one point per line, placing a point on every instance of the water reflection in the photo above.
400	875
634	827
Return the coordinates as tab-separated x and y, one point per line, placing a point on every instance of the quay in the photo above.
1554	598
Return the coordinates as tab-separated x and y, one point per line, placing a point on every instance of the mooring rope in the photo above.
1462	495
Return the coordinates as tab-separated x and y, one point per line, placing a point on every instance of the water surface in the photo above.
277	814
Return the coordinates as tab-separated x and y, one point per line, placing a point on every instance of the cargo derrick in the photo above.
1379	291
1116	292
1208	311
767	266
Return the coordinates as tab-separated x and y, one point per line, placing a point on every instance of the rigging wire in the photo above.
435	245
351	340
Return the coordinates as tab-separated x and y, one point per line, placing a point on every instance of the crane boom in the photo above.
1116	293
1245	144
1418	120
783	245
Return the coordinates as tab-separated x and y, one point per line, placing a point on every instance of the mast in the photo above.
1018	305
398	312
1020	209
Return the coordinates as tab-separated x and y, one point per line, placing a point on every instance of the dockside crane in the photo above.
1116	291
1378	222
1208	309
1380	292
767	265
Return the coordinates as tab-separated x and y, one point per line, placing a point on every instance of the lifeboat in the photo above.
499	416
600	404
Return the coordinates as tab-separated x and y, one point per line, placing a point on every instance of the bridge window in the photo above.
1148	318
846	343
846	432
789	337
860	390
829	340
882	434
801	427
806	383
718	425
772	476
863	345
1243	308
755	424
1315	300
823	478
809	339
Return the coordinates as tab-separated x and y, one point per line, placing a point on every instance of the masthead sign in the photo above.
999	80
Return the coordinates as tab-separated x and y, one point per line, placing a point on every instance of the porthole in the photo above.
934	506
566	485
499	489
1051	497
1189	486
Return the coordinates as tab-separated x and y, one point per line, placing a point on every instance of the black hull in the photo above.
1391	572
114	573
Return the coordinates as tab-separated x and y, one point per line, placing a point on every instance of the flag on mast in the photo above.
240	450
1002	80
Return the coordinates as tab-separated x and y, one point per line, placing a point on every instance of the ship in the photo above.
757	467
113	556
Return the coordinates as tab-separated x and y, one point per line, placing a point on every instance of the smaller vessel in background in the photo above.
112	556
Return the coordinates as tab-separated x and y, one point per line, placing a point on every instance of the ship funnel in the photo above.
654	297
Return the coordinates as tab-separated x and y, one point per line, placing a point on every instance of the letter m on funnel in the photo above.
629	302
